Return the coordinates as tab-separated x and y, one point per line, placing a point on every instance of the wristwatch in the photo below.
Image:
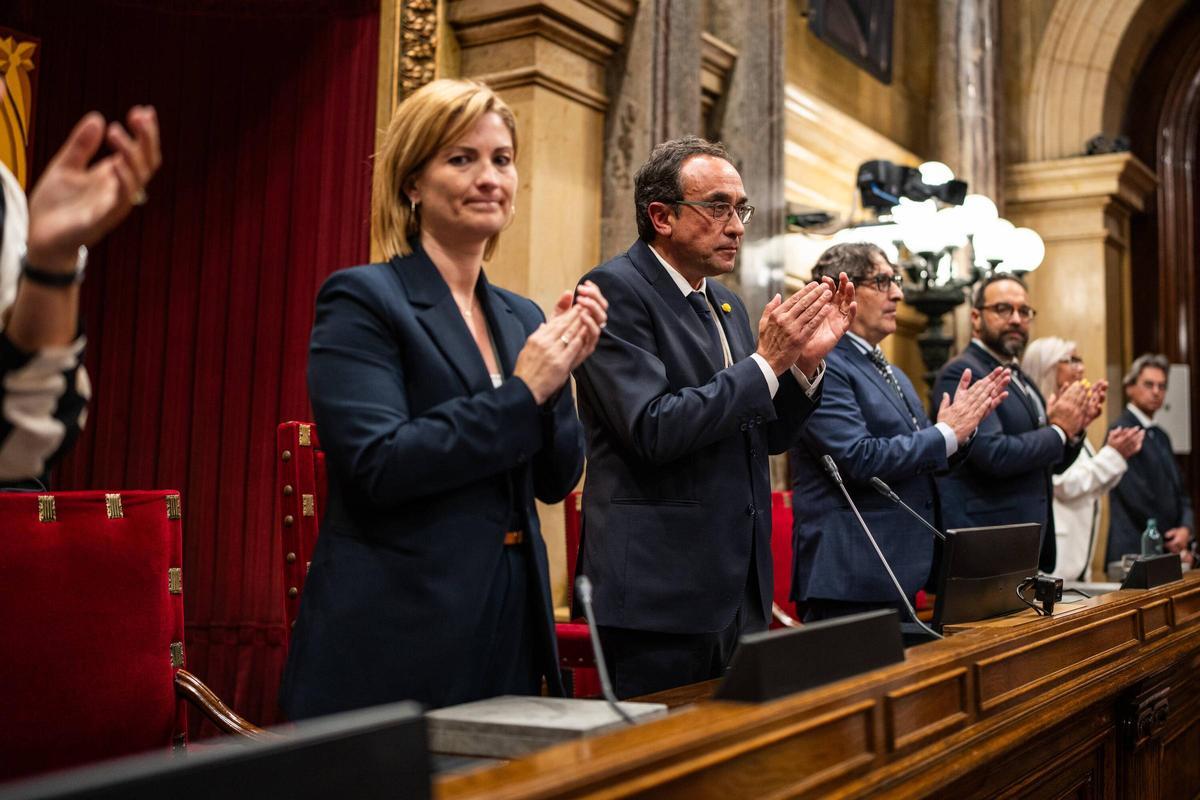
59	280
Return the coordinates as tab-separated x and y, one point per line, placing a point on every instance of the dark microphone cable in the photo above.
832	469
583	590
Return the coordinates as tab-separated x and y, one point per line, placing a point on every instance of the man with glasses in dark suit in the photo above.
872	423
1006	476
681	407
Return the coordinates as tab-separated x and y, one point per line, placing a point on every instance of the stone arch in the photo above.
1085	66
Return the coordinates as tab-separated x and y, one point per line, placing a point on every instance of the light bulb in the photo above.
935	173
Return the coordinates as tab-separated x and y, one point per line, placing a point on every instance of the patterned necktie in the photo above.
700	305
1031	399
885	369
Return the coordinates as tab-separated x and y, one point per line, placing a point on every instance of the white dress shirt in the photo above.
809	386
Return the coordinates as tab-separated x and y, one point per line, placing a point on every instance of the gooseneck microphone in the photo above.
832	469
887	492
583	590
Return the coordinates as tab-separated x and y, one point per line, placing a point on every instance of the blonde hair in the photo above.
429	119
1040	362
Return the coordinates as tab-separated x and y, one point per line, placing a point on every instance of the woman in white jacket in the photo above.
1053	363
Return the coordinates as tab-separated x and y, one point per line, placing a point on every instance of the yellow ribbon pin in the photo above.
726	307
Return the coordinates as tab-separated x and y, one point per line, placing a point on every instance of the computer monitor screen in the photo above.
378	752
981	570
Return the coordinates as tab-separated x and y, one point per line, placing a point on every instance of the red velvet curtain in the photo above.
198	308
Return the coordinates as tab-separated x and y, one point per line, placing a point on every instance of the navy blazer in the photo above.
678	491
428	466
1005	478
868	431
1151	487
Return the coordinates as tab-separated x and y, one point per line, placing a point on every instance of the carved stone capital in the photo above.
1117	176
560	45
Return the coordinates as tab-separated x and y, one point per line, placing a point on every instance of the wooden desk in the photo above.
1102	701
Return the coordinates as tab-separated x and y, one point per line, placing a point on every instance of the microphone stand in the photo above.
832	469
583	590
887	492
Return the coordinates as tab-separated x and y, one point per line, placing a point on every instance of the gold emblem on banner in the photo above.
305	435
175	580
308	505
177	655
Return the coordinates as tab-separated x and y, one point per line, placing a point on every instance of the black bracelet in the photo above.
56	280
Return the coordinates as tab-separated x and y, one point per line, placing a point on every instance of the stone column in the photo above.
750	120
965	111
548	59
654	88
965	117
1081	207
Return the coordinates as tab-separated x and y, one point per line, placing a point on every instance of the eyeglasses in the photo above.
881	282
1074	361
720	210
1007	309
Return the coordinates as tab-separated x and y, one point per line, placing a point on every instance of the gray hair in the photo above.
856	259
1146	360
1040	362
657	181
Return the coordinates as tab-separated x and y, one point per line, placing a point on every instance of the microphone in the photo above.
887	492
583	590
832	469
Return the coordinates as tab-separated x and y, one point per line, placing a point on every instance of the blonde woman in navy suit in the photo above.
444	407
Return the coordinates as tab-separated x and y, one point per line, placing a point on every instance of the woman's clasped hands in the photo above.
563	342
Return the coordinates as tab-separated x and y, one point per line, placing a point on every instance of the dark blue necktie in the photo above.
700	305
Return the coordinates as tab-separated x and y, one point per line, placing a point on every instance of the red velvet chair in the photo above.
782	609
301	486
575	658
91	609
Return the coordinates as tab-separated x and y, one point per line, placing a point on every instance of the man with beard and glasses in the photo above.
1006	477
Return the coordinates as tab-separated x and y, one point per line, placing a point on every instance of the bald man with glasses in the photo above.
1006	476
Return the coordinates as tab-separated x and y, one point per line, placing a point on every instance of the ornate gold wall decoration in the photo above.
418	45
18	53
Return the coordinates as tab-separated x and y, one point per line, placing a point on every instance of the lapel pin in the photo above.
726	307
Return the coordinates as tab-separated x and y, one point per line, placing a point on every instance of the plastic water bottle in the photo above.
1152	541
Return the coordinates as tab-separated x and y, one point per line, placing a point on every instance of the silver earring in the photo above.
413	205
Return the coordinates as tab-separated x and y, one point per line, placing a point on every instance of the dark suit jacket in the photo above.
867	429
678	485
429	466
1005	478
1152	487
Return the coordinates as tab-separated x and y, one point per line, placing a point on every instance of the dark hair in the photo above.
856	259
657	181
995	277
1156	360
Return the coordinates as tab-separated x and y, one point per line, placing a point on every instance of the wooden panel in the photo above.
1059	694
1006	677
1181	763
1187	606
925	710
1079	762
789	761
1156	619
